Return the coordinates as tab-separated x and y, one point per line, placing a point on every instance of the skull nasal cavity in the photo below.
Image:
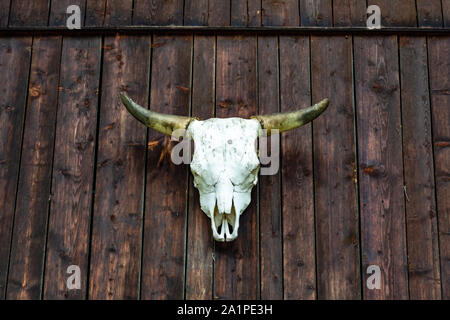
224	195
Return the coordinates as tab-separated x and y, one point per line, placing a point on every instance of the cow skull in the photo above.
225	163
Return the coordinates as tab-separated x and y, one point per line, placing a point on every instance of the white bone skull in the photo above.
225	164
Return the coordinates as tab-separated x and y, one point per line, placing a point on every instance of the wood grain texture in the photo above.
271	246
15	56
421	218
117	221
349	13
316	13
246	13
219	13
236	262
297	174
118	12
429	13
4	12
337	228
396	13
163	262
29	13
58	11
158	12
196	12
72	186
95	13
33	195
382	207
439	69
200	244
280	13
446	13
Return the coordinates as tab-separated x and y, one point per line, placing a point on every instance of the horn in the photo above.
164	123
291	120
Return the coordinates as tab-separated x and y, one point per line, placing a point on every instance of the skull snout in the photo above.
224	216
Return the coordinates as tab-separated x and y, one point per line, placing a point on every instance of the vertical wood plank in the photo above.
58	11
429	13
158	12
271	246
72	187
396	13
382	209
33	195
246	13
196	12
200	242
421	218
280	13
29	13
219	13
117	221
118	12
236	262
439	68
446	13
297	174
4	12
349	13
334	170
316	13
166	195
95	13
15	56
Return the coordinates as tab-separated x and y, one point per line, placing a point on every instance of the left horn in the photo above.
164	123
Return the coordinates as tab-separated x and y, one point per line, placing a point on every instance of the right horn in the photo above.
291	120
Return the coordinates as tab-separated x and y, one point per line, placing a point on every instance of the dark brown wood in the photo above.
163	262
15	56
446	13
58	11
349	13
117	221
219	13
118	12
439	69
337	229
382	207
196	12
246	13
236	262
396	13
429	13
33	195
297	174
4	12
29	13
316	12
95	13
200	245
73	167
280	13
271	246
158	12
421	218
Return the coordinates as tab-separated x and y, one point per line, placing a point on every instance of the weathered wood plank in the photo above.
58	11
95	13
337	227
396	13
236	262
158	12
117	221
348	13
219	13
316	13
163	260
446	13
271	246
29	13
297	174
246	13
4	12
429	13
72	186
196	12
33	195
118	12
280	13
439	69
15	56
421	218
200	246
382	211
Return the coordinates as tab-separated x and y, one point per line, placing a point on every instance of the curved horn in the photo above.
164	123
291	120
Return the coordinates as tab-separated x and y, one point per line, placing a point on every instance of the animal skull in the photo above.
225	163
